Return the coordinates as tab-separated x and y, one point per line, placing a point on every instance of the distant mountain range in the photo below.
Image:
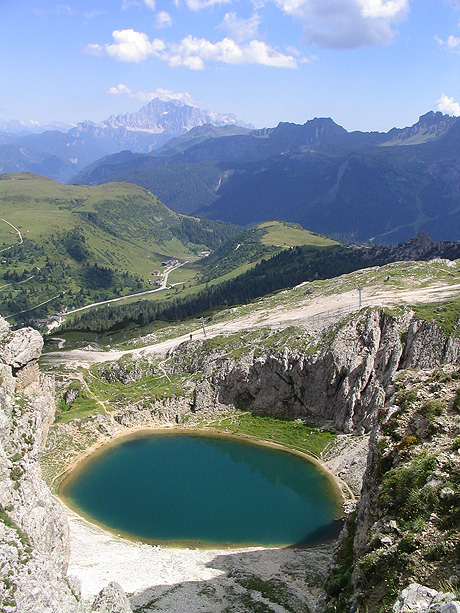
354	186
61	153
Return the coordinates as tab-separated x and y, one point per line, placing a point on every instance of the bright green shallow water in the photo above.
205	490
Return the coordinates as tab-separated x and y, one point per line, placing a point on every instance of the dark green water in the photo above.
205	490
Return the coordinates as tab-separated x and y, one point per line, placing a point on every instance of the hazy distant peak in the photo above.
14	126
172	116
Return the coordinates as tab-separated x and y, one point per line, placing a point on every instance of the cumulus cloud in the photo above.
448	105
192	52
146	96
452	44
240	29
121	90
128	46
347	24
163	20
150	4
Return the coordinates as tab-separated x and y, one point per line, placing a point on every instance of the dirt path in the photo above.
21	240
315	313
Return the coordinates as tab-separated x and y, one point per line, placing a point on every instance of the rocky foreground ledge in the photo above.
34	535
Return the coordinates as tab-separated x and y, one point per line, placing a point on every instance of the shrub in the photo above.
431	409
405	398
402	492
408	442
407	544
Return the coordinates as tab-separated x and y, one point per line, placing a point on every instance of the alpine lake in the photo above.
179	488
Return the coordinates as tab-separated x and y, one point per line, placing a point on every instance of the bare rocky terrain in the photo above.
385	380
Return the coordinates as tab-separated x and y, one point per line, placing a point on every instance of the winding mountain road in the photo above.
149	291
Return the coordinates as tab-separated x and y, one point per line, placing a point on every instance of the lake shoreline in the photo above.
99	449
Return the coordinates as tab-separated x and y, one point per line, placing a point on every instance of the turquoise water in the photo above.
205	490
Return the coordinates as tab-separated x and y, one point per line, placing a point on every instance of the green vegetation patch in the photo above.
291	433
403	491
338	585
446	315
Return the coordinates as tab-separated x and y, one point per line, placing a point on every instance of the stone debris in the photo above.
417	598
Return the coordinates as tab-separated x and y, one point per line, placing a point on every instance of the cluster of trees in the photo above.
288	268
246	247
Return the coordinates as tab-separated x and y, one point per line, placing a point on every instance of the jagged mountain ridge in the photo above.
142	131
354	186
169	116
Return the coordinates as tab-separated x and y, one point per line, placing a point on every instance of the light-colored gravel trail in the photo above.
315	313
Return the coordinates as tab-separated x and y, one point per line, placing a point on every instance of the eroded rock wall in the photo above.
34	539
34	548
340	385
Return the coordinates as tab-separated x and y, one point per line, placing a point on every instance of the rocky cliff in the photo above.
362	375
406	527
34	545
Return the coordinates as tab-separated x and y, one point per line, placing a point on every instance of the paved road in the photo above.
149	291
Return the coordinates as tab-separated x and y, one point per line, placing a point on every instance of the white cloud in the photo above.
347	24
198	5
448	105
128	46
388	9
150	4
452	44
163	20
127	4
146	96
121	90
240	29
192	52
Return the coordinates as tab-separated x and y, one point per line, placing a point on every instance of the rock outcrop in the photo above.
34	543
417	598
407	519
341	386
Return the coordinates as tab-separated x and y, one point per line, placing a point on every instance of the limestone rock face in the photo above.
111	599
34	542
417	598
428	346
34	550
342	386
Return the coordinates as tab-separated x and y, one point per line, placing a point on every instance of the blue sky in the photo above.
368	64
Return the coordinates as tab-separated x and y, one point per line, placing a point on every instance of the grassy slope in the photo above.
238	255
39	207
249	247
121	227
285	234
